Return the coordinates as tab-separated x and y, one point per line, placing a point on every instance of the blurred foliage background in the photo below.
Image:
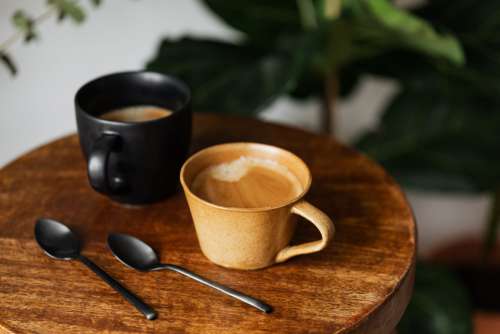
440	132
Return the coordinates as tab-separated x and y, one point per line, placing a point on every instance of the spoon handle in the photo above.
224	289
148	312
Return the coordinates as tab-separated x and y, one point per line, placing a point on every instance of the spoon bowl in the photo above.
56	239
133	252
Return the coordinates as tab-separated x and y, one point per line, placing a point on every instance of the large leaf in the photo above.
232	78
374	37
462	16
259	19
438	136
443	131
378	25
477	25
439	305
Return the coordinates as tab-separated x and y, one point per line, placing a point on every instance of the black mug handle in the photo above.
97	167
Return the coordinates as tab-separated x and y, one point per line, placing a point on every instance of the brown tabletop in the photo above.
361	283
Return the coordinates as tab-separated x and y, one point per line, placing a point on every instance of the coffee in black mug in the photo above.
135	130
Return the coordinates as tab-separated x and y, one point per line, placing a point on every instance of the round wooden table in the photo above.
361	283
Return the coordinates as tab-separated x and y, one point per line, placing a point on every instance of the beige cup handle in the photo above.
320	220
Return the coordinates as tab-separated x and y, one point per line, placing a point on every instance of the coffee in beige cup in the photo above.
244	199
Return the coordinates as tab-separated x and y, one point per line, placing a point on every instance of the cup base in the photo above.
238	267
141	201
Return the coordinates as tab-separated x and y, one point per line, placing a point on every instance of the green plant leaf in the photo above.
96	3
460	104
232	78
379	25
463	16
8	63
25	24
440	304
261	20
439	135
69	8
477	25
310	84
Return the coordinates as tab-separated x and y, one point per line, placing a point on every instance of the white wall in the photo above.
37	105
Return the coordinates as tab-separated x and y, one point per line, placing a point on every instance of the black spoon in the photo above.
59	242
138	255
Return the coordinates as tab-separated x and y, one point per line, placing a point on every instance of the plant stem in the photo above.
331	10
329	99
491	231
11	40
19	34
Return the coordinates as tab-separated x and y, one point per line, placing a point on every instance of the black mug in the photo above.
134	163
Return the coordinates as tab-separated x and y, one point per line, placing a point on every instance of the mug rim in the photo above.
237	209
183	86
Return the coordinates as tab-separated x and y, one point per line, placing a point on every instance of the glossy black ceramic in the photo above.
135	163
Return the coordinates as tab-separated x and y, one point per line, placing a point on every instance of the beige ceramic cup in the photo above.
252	238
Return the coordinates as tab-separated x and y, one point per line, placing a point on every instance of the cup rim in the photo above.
183	86
237	209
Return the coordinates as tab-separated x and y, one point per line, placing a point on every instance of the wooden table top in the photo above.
361	283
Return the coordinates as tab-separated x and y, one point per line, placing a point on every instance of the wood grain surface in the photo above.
361	283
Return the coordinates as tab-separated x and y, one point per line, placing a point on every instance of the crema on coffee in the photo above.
247	182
